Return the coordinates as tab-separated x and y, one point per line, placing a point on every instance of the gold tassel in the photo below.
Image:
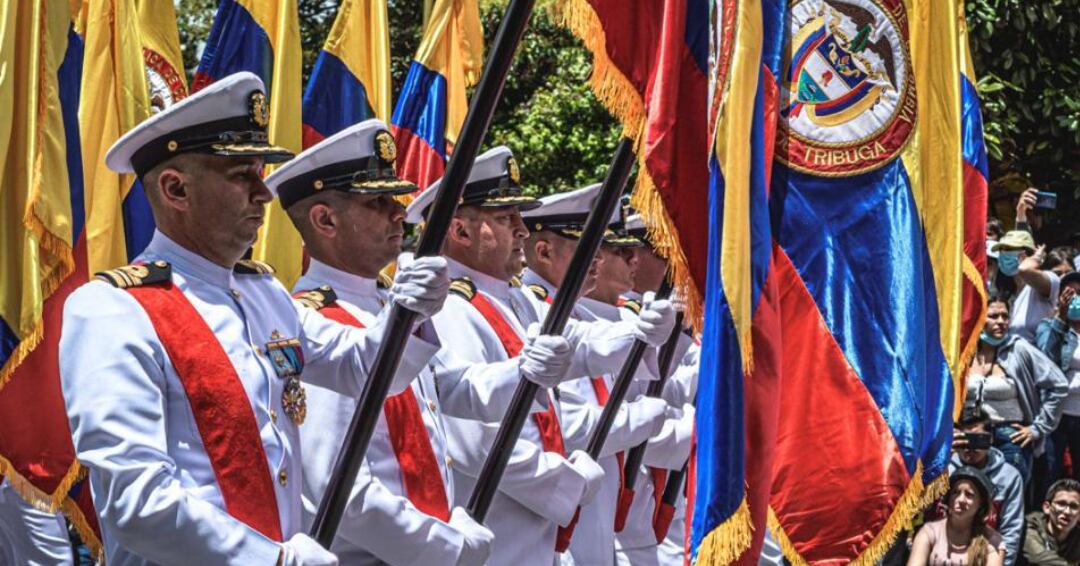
967	352
724	544
89	538
33	495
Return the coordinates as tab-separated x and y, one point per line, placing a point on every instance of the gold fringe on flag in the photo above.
724	544
619	96
914	499
74	514
967	351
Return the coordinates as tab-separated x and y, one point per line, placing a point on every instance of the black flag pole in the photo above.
401	320
487	482
622	385
667	353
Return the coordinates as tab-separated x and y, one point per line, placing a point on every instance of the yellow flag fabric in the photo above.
360	38
35	232
279	243
161	51
114	100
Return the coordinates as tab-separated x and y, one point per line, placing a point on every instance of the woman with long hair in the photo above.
962	537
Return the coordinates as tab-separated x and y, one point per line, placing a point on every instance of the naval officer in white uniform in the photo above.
184	374
340	194
554	231
486	319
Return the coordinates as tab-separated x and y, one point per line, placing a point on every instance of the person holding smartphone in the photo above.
972	447
1057	337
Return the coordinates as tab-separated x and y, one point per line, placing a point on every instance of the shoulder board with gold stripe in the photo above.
137	275
632	305
515	281
252	267
384	281
540	291
316	298
464	288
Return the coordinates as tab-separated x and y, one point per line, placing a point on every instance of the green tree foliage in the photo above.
1025	53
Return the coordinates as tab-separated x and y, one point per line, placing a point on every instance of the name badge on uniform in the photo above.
288	360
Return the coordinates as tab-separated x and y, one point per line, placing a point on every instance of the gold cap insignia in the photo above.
512	170
384	145
258	109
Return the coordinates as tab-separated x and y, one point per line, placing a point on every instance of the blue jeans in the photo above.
1020	458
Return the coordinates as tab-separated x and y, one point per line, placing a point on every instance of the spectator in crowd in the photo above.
971	448
962	538
1059	260
1037	289
994	230
1051	537
1057	337
1018	387
996	283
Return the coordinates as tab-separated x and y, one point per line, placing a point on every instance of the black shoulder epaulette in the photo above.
464	288
633	305
384	281
316	298
540	291
137	275
515	281
252	267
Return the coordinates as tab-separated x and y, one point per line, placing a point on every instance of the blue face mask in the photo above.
991	340
1073	313
1009	263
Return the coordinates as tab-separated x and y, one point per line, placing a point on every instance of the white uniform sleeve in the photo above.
600	347
476	391
544	482
634	422
110	358
671	447
681	387
343	356
391	528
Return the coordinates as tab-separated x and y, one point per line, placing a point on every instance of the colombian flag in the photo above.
43	242
432	105
351	79
263	37
35	443
866	305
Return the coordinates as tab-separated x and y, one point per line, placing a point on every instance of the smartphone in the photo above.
1046	200
978	440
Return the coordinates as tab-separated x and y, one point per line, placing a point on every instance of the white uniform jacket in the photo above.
668	449
380	525
133	427
593	543
539	490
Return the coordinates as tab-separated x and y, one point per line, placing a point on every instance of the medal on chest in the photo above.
288	360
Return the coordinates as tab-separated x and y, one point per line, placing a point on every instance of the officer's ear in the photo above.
543	249
172	189
459	231
322	219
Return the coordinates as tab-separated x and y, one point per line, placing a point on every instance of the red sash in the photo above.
409	437
601	390
547	422
221	408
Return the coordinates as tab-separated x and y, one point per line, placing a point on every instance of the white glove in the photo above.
545	359
591	471
655	322
421	284
654	411
302	550
478	538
